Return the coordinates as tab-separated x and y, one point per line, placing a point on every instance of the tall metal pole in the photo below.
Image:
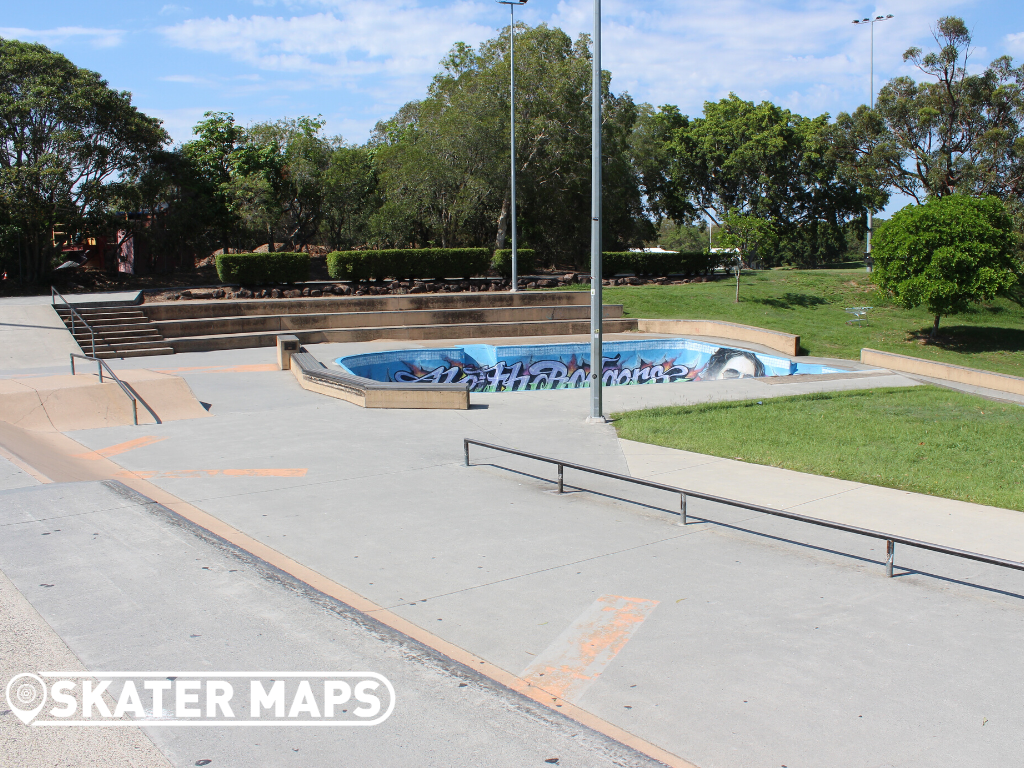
512	77
871	101
596	353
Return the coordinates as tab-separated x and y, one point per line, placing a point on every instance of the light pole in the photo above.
871	97
512	78
596	352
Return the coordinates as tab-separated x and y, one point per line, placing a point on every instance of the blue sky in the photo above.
357	61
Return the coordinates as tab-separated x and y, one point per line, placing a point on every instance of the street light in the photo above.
512	69
596	352
871	96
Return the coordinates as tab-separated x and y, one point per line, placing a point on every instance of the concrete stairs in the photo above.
194	326
121	331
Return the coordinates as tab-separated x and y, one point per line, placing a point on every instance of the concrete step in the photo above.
150	335
148	352
288	323
408	332
184	310
120	328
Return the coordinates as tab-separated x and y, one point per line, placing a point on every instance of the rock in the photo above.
569	277
305	291
547	283
418	288
218	294
175	296
316	292
635	281
345	290
531	285
275	294
293	294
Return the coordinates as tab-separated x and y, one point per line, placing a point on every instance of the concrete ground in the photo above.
751	641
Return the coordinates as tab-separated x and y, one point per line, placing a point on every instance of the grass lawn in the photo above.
922	439
811	303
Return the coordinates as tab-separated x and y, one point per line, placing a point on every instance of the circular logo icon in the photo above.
26	695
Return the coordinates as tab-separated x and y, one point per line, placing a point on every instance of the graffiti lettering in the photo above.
544	374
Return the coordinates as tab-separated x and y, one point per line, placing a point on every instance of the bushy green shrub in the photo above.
501	262
263	268
644	264
408	264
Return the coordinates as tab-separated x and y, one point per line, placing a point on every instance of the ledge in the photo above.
786	343
316	377
999	381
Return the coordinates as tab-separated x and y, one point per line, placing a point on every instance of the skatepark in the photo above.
247	522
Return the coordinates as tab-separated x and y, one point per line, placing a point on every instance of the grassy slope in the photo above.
811	303
922	439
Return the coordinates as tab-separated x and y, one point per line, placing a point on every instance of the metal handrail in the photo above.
55	294
100	365
891	540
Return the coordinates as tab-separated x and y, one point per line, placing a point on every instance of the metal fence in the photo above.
891	540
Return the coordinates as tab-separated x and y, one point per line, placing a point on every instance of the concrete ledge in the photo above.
958	373
786	343
366	393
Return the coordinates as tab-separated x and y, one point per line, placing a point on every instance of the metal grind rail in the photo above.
100	365
891	540
54	295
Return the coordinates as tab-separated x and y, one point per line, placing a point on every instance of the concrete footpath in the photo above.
740	640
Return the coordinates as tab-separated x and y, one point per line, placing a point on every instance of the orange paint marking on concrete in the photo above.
114	450
255	368
579	655
185	474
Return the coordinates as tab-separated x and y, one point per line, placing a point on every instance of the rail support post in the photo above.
682	509
559	478
72	358
890	556
465	448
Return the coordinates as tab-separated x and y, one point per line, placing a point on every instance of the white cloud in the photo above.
1016	43
172	10
391	38
100	38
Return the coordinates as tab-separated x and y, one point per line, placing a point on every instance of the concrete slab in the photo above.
181	600
33	336
772	643
29	643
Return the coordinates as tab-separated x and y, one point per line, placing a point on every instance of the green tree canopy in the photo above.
444	163
955	132
949	253
743	160
65	136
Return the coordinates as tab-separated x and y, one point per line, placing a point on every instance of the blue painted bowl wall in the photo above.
567	366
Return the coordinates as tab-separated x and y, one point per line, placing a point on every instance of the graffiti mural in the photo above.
487	368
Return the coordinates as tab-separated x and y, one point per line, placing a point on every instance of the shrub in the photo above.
408	264
644	264
262	268
949	253
501	262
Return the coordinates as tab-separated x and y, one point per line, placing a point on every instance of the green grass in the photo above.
811	303
922	439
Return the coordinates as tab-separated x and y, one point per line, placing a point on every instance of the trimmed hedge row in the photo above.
263	268
643	264
408	263
501	262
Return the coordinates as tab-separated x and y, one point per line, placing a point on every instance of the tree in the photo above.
762	162
947	254
351	197
65	136
954	133
444	165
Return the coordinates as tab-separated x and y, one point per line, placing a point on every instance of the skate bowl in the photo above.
486	368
